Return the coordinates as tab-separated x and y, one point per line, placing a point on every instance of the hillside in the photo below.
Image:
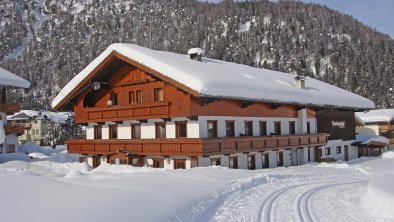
48	41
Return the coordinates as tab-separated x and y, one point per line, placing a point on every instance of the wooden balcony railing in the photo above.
168	147
195	147
17	128
129	112
9	108
253	144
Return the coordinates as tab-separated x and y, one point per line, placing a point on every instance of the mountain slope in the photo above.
49	41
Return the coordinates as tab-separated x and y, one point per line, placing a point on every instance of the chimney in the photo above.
196	53
300	81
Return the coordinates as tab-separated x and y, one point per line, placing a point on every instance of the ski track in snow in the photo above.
291	200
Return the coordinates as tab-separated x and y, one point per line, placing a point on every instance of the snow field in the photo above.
61	189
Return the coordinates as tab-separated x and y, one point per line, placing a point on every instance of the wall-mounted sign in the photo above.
338	124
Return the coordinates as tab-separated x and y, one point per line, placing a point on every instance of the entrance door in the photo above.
317	154
96	161
179	164
251	162
266	161
346	152
233	162
294	158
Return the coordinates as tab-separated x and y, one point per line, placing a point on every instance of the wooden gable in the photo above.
125	81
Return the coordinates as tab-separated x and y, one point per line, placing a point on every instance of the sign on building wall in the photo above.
338	124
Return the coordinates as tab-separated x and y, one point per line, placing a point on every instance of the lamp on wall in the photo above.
97	85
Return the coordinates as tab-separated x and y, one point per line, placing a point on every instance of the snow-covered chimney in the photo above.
195	53
300	82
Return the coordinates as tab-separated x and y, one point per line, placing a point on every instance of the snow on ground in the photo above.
61	189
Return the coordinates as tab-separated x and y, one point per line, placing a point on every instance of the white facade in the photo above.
198	129
369	129
11	141
339	154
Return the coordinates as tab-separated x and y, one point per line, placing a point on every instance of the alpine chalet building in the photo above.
9	132
152	108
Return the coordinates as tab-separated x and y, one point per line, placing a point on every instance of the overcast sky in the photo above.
377	14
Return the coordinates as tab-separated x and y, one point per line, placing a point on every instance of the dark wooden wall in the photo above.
324	124
226	107
125	78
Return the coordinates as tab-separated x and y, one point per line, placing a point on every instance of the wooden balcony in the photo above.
17	128
391	141
124	112
265	143
195	147
9	108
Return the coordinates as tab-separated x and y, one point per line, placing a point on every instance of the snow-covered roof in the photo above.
370	139
359	120
376	116
220	79
10	79
57	117
19	116
197	51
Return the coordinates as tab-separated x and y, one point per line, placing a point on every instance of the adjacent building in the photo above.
41	122
9	132
376	124
161	109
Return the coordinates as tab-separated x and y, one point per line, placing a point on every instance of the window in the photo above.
230	129
136	131
215	161
114	99
131	97
159	94
251	162
160	130
233	162
263	128
248	128
138	98
123	161
97	132
291	128
277	128
119	161
279	158
328	151
113	131
158	163
212	128
180	164
339	150
10	148
181	129
308	127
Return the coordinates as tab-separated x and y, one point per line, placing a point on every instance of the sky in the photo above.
377	14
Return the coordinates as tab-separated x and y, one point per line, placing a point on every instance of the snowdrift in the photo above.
14	156
34	148
64	157
379	198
